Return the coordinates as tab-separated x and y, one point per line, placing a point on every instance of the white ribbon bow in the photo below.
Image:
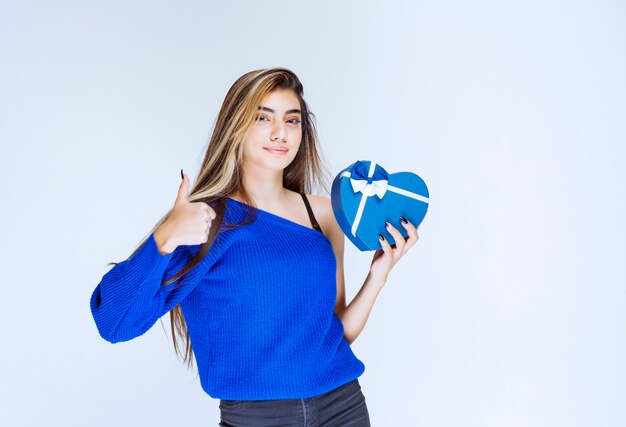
376	187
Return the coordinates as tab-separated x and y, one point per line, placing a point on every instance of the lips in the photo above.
279	150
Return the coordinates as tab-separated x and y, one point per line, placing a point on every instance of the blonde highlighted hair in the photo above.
220	175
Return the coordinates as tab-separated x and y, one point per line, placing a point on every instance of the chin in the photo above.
279	162
275	165
281	166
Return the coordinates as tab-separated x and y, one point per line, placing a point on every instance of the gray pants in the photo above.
343	406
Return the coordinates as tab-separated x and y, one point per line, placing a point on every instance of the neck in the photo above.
265	186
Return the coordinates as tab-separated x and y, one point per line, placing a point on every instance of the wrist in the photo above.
163	240
377	278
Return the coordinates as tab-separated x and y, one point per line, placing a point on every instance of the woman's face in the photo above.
273	140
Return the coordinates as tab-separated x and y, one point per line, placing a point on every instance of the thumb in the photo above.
183	190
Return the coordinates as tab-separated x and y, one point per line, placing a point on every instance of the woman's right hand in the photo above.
189	223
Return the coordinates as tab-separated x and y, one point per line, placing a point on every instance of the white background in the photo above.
510	310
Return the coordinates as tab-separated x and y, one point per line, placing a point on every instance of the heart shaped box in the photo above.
364	196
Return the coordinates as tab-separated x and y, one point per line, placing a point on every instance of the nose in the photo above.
279	131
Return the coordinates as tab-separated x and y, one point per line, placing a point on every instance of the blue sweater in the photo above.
259	308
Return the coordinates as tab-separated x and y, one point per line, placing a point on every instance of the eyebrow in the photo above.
295	110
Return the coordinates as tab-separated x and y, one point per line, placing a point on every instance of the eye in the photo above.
261	117
294	121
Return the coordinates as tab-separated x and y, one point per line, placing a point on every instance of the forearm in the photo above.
357	312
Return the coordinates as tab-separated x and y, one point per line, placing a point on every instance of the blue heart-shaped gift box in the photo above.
364	196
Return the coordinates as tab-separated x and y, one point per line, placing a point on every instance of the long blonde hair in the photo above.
220	173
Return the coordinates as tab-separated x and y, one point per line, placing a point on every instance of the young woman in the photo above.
250	267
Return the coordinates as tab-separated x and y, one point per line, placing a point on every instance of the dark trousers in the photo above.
344	406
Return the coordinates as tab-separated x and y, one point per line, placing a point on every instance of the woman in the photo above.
250	268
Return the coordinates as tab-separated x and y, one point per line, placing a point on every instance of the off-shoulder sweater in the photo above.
259	308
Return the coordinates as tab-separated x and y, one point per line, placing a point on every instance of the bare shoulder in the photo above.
321	206
323	209
320	203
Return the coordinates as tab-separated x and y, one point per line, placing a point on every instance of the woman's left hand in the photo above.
384	259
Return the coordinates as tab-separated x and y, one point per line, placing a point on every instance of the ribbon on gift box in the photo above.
370	181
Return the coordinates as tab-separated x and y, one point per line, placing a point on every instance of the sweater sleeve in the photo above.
130	298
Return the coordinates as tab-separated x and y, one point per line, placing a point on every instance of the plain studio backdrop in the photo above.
509	311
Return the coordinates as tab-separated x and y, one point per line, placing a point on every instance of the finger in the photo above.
207	211
412	231
397	236
384	244
212	213
183	190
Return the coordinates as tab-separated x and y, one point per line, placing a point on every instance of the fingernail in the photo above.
381	237
181	174
388	223
403	219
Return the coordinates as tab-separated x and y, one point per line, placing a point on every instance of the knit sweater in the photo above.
259	308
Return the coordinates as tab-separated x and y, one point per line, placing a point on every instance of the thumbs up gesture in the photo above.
189	223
